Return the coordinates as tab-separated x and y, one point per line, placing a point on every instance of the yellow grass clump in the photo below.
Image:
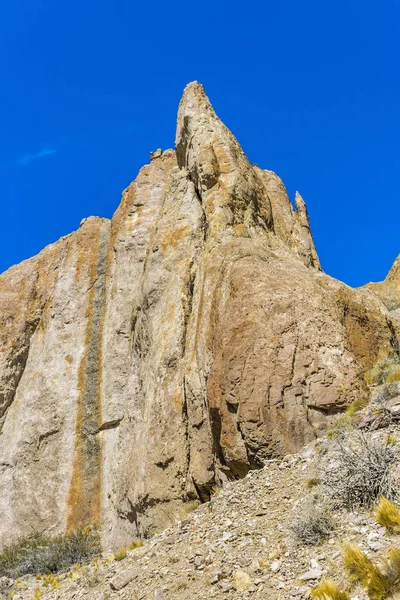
355	407
135	544
379	584
328	590
120	554
312	482
388	514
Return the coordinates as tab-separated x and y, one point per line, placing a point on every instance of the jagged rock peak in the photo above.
237	198
230	190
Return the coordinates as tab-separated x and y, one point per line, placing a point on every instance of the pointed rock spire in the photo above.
304	231
228	186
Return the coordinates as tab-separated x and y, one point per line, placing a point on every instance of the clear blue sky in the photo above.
311	89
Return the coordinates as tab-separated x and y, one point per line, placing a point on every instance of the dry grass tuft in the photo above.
328	590
359	567
379	584
388	514
390	439
312	482
135	544
340	427
120	554
355	407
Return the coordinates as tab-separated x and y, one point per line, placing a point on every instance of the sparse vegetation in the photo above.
328	590
51	581
384	393
49	555
313	525
390	439
385	370
120	554
388	515
189	507
340	427
37	594
363	470
380	584
355	407
312	482
135	544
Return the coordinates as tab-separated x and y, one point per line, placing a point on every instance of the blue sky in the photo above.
311	89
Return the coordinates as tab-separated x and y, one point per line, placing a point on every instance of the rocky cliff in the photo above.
145	359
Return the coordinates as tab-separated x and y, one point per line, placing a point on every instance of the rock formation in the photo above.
145	359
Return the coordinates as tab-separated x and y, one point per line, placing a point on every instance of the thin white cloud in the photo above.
28	158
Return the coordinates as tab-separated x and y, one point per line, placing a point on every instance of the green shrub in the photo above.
385	370
42	554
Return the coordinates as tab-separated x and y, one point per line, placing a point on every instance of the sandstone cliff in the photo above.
183	343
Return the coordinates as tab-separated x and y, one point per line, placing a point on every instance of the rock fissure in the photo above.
85	487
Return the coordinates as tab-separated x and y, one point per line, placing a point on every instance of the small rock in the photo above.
311	574
314	564
5	583
156	154
123	578
225	586
241	580
275	566
215	577
375	546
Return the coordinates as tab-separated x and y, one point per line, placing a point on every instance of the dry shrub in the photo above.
388	514
313	525
328	590
42	554
362	471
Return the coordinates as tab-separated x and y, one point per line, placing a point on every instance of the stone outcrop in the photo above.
145	359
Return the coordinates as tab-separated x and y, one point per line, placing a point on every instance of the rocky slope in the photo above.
239	545
189	340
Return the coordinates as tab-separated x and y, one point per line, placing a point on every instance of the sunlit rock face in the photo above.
145	359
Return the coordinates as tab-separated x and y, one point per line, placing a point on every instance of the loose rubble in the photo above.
237	546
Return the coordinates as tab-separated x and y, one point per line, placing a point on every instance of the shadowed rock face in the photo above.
146	359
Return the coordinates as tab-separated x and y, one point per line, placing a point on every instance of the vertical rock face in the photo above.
49	321
146	359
